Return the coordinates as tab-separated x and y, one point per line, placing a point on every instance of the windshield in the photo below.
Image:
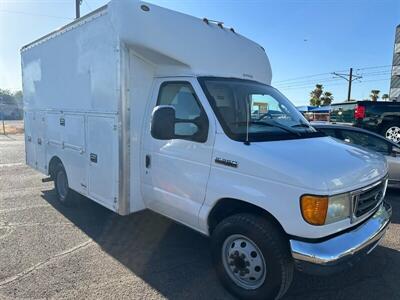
251	111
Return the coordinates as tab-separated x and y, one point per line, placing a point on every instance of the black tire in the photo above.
274	247
64	194
386	127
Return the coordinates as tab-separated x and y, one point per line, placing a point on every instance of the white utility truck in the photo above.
139	107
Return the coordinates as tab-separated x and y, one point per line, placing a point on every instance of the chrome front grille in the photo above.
366	200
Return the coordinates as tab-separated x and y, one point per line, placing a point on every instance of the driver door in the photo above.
176	171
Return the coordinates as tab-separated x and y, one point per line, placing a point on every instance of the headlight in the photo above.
321	210
338	208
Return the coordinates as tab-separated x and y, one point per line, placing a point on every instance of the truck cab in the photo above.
231	156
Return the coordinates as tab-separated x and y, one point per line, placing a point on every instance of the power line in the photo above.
376	74
328	79
312	85
374	67
301	77
289	80
306	83
372	80
324	79
301	82
328	85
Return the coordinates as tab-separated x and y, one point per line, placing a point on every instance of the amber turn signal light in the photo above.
314	209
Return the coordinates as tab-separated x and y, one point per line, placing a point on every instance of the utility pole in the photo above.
350	78
78	8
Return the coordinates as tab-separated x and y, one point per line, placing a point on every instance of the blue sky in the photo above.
302	37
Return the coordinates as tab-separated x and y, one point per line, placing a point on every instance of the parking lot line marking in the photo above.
10	165
43	263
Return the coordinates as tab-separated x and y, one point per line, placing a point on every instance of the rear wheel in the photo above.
251	257
392	132
64	193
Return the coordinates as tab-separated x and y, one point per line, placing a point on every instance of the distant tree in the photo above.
14	100
6	97
327	98
374	95
315	95
385	97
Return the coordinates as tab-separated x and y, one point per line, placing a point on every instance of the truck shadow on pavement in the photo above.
175	261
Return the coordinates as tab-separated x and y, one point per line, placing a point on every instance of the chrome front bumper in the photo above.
343	250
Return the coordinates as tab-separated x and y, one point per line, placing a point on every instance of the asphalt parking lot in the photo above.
50	251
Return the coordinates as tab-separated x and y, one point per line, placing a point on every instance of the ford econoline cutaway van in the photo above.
139	107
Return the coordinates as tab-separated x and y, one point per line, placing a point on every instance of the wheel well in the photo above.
227	207
55	160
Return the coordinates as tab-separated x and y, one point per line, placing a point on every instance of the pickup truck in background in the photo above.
378	116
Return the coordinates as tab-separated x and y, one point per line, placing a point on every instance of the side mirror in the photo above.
163	122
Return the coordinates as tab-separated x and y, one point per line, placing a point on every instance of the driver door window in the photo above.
191	121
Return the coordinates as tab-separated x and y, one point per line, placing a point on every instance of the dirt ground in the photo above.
12	127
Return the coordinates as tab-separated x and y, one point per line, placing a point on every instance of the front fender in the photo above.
278	199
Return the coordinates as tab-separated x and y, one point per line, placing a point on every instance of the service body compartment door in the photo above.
40	141
29	120
35	144
102	150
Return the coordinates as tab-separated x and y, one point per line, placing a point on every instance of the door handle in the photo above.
93	157
148	161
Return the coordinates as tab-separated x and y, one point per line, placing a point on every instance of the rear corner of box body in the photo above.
124	130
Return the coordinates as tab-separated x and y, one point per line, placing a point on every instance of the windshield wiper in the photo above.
281	126
272	124
302	125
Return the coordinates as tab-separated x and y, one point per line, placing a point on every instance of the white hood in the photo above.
316	164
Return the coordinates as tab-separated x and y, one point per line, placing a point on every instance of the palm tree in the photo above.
327	98
315	95
385	97
374	95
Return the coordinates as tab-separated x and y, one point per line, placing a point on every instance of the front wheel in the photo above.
251	257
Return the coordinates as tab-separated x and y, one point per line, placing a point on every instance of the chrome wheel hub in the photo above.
393	134
243	262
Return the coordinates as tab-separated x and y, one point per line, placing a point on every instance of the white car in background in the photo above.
369	140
